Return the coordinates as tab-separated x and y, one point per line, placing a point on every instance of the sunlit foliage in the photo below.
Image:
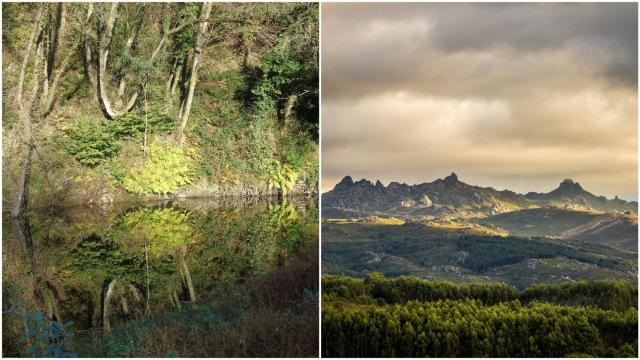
166	168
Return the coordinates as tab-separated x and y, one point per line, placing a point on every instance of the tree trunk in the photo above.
288	110
54	37
22	202
50	100
172	76
122	84
55	308
146	258
106	325
21	205
97	308
177	300
176	79
87	46
187	274
106	32
22	228
124	303
184	81
27	54
34	103
205	10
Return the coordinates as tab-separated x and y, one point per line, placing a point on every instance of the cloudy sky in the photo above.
516	96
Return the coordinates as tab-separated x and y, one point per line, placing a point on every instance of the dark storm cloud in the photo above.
513	95
368	46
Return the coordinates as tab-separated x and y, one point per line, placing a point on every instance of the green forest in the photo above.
411	317
104	102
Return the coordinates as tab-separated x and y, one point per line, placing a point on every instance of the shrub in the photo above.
166	168
90	142
282	177
131	125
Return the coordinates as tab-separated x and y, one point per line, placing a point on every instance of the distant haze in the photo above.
516	96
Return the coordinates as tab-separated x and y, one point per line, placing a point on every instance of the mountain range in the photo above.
450	197
450	230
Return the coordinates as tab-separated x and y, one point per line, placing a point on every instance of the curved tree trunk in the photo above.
205	10
106	325
106	32
106	35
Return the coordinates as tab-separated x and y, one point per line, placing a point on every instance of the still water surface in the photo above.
101	267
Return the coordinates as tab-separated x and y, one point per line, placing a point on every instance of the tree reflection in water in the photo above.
101	268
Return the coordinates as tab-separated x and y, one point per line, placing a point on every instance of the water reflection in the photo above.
101	267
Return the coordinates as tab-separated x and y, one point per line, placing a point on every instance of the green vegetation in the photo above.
90	141
236	84
409	317
166	277
166	168
540	222
448	253
250	320
133	124
110	106
282	177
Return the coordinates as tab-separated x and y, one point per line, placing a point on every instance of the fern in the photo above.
282	177
164	171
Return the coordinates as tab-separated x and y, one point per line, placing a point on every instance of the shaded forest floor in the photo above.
275	315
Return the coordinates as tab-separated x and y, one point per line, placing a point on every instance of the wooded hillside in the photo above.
105	101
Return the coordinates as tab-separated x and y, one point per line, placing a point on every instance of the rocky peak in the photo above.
363	182
451	179
345	182
569	183
450	192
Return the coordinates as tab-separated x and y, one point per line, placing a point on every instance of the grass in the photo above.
275	315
